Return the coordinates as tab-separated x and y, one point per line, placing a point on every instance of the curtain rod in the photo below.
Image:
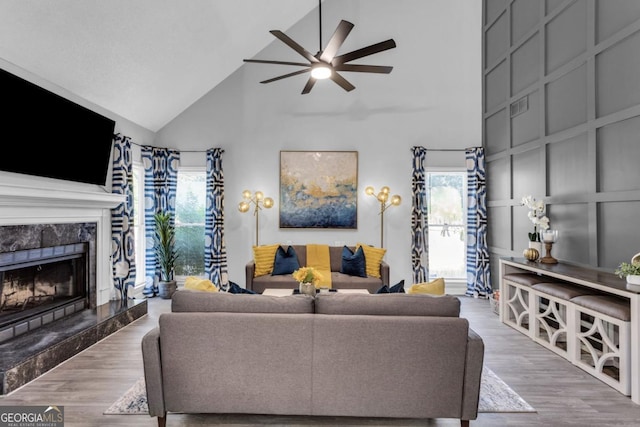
448	149
182	151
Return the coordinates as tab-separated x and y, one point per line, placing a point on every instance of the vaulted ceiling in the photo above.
145	60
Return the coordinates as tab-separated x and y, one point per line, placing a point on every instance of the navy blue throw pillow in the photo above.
384	289
234	288
353	264
397	288
286	262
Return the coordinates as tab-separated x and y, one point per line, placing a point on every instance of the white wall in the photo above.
432	98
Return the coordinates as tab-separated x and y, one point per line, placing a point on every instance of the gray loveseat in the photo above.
338	280
348	355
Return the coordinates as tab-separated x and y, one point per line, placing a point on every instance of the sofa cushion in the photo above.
234	288
373	257
397	288
199	284
353	263
286	262
396	304
434	287
192	301
264	257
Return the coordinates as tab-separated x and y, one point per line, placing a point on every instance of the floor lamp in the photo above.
259	201
383	197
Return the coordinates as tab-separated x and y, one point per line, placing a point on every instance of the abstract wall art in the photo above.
318	189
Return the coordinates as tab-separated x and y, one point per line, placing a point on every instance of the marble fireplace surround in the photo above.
56	212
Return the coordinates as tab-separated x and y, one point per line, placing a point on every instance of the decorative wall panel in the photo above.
617	232
496	132
617	70
524	16
613	16
497	84
498	174
529	179
567	100
499	37
568	167
525	66
566	35
525	127
618	154
577	145
573	222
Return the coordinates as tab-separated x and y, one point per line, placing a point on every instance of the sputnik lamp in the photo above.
383	198
259	201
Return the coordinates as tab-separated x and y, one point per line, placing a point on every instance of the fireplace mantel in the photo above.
20	195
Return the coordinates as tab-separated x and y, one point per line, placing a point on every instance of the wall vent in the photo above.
520	106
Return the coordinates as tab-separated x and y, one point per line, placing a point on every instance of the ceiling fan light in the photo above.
320	72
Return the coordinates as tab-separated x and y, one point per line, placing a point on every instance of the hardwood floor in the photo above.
562	394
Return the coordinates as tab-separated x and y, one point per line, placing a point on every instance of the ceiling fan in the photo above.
325	63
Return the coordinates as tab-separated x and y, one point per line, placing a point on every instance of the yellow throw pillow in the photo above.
199	284
372	258
264	257
435	287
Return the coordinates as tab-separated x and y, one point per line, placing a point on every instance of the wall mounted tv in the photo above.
44	134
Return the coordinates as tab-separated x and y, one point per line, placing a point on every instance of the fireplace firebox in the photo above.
38	286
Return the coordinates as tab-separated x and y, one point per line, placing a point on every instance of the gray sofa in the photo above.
338	280
347	355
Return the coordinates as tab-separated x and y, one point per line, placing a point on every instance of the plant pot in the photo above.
166	288
307	289
634	279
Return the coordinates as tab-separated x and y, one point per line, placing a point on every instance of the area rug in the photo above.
495	396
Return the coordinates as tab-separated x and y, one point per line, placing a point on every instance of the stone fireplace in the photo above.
56	292
45	274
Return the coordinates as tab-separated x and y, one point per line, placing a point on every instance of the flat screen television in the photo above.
44	134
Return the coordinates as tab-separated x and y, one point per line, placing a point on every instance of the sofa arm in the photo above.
472	376
384	273
249	271
153	372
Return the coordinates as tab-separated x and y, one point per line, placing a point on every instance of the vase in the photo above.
307	289
537	246
166	289
633	279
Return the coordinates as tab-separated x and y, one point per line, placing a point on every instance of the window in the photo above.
190	208
447	207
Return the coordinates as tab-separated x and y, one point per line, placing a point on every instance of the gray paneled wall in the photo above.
561	121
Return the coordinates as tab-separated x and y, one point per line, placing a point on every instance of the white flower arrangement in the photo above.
536	215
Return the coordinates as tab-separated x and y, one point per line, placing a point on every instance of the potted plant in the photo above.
166	254
630	270
308	278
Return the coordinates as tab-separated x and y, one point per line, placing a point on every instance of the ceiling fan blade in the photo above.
365	51
264	61
284	76
293	45
364	68
342	82
336	40
309	85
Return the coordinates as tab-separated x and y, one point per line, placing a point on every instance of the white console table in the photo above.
591	278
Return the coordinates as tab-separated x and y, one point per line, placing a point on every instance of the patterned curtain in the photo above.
215	253
160	182
122	239
478	271
419	219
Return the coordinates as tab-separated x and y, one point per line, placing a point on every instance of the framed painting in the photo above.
318	189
